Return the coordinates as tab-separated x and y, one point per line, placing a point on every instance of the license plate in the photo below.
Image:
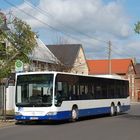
33	118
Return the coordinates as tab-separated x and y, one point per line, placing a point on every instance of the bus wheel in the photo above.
112	110
118	109
74	114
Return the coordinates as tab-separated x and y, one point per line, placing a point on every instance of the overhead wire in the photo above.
53	28
46	13
49	14
119	53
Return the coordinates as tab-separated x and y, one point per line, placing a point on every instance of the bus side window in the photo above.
72	92
90	92
62	91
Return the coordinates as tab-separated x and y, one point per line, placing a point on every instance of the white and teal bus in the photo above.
59	96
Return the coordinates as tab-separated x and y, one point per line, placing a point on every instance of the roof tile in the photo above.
118	66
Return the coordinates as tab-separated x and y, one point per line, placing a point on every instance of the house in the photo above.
137	80
122	67
42	58
71	56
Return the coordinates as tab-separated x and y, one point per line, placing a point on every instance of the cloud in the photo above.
79	18
90	16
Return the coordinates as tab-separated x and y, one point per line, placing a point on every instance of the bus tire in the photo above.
118	108
74	114
112	110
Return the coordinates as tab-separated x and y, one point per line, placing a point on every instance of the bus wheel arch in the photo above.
74	113
118	108
112	109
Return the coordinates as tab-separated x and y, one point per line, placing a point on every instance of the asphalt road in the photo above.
123	127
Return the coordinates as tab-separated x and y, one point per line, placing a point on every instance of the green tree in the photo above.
17	43
137	27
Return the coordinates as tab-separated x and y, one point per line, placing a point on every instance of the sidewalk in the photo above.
8	122
133	103
4	123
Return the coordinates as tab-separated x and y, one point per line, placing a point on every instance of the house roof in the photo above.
66	53
42	53
118	66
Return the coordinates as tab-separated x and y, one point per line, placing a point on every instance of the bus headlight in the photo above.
51	113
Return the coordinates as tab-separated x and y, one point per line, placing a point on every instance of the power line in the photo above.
56	29
117	52
47	13
126	52
53	28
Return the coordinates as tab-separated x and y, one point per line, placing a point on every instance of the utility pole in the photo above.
109	57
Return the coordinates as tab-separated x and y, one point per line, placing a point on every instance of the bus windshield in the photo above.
34	90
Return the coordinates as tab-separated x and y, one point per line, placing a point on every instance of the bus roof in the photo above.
117	77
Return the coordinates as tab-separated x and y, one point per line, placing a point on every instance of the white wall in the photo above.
10	98
80	65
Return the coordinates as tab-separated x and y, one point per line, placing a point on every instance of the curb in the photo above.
134	103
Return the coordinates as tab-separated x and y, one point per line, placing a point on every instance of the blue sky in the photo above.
91	23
